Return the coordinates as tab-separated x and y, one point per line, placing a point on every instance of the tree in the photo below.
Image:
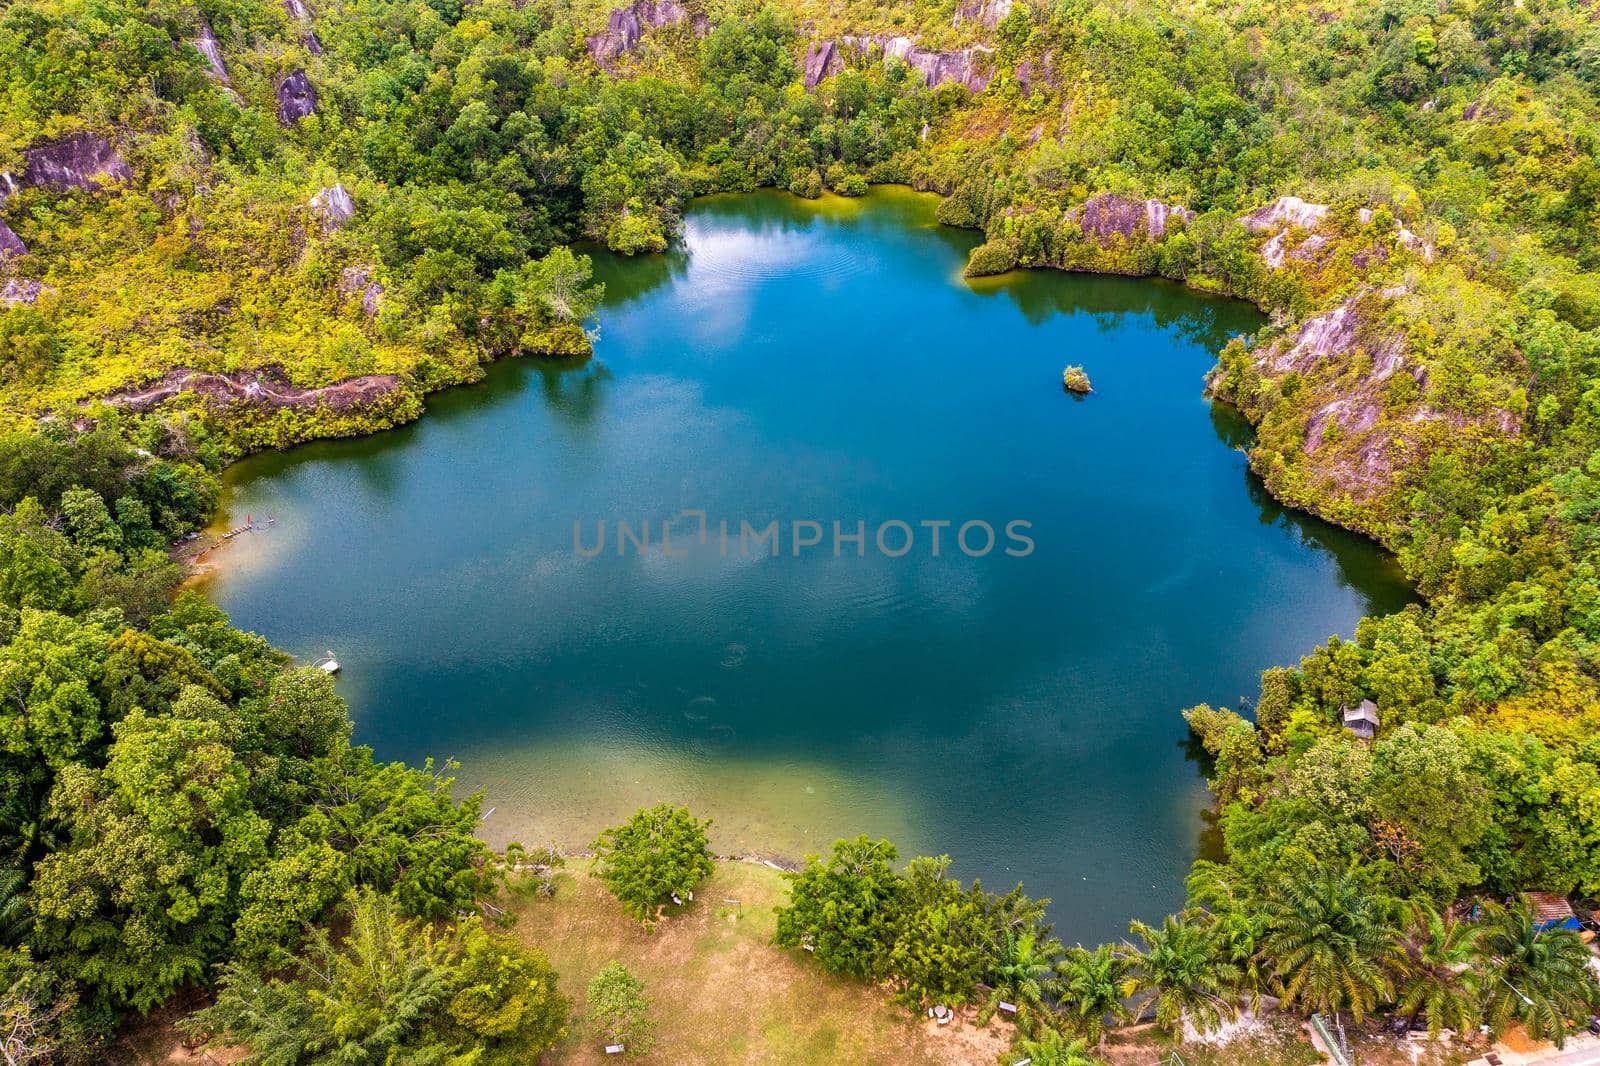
1441	976
656	857
140	901
391	990
16	913
37	1020
1329	941
846	911
942	946
1050	1047
620	1011
1023	974
1424	792
1538	976
1094	987
1180	971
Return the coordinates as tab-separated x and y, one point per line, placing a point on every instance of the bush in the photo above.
851	185
654	858
991	257
806	184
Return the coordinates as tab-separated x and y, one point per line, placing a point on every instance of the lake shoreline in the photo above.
795	702
194	556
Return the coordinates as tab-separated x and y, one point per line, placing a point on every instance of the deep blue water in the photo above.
798	361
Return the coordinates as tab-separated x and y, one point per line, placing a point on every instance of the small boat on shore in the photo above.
328	664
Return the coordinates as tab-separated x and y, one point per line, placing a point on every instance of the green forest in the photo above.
238	224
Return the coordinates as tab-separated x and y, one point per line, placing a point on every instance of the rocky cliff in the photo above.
265	388
822	61
626	27
971	67
297	98
77	161
1108	216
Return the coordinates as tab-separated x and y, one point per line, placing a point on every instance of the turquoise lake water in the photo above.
820	362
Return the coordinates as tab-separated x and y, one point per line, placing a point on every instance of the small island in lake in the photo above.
1075	380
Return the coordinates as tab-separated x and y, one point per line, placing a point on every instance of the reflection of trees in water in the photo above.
627	278
574	389
1374	575
1204	321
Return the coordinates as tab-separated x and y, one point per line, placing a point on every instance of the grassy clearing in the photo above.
721	993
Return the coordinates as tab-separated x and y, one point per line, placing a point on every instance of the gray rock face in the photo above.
211	51
965	67
1040	73
78	161
1109	215
21	291
10	243
822	61
297	98
986	12
627	25
359	279
298	11
334	206
1284	212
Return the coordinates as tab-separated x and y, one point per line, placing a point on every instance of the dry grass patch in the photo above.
720	992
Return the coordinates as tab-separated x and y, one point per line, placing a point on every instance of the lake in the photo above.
818	362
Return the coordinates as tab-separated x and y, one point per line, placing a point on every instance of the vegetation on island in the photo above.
1076	379
1411	191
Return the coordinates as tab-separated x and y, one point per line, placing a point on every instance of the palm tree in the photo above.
1236	927
1024	976
1180	970
1440	976
16	915
1050	1048
1329	942
1093	985
1541	977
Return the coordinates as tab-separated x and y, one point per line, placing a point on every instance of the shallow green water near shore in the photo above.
820	362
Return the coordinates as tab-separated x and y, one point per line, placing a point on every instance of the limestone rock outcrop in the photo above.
968	66
626	27
359	279
1294	224
10	243
22	291
1109	215
297	98
265	388
984	12
1284	212
205	42
1037	74
76	161
335	206
822	61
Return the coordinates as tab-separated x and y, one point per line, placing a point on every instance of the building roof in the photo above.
1365	711
1549	907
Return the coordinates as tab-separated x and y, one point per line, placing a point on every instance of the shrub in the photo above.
991	257
806	184
851	185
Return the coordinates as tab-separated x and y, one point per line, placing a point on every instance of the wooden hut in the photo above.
1362	719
